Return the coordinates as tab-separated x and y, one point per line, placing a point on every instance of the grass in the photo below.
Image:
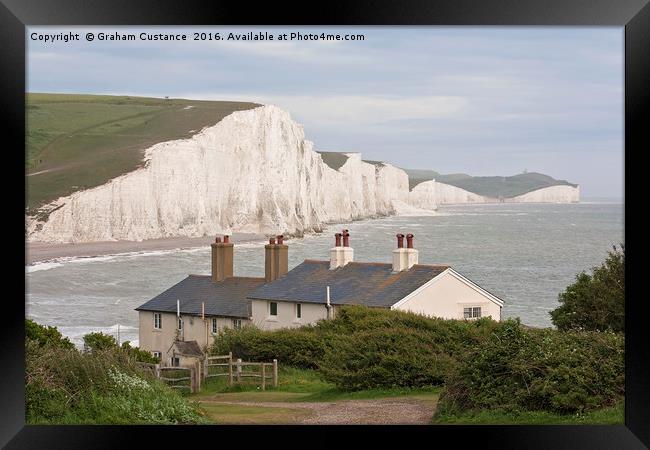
299	385
606	416
76	142
294	385
222	414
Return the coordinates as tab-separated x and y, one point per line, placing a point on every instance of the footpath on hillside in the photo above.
286	408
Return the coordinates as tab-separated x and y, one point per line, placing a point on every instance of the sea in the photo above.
526	254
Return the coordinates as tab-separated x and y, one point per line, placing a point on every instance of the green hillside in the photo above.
334	159
495	187
76	142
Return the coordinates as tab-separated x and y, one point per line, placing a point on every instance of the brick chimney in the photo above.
341	254
276	258
222	259
404	258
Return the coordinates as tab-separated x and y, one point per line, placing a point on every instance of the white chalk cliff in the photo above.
254	172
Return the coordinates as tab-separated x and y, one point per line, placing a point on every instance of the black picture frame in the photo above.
634	15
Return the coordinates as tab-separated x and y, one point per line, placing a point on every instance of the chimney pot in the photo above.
346	238
226	239
409	240
280	239
217	240
337	238
400	240
272	241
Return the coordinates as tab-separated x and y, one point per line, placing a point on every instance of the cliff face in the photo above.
551	194
254	171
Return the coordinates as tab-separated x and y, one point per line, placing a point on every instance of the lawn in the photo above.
76	142
606	416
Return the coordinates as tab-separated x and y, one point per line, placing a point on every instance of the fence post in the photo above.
230	368
205	368
275	373
157	370
263	376
192	379
199	372
238	370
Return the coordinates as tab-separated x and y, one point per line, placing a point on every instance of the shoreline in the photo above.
38	252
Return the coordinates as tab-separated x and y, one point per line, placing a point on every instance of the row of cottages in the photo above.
195	310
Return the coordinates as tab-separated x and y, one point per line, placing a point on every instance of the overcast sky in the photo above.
479	100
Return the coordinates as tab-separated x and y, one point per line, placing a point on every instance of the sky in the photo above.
477	100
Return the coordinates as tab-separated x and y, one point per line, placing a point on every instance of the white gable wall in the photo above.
445	296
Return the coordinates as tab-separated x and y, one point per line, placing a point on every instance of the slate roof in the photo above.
223	298
371	284
187	348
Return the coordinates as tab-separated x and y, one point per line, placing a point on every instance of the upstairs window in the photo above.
273	309
472	313
214	325
298	310
157	355
236	323
157	321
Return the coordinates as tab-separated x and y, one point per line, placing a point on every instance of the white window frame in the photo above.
177	360
159	321
157	355
472	312
236	324
214	326
275	316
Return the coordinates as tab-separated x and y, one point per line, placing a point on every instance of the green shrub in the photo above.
99	341
297	347
597	301
46	336
383	358
105	386
363	347
537	369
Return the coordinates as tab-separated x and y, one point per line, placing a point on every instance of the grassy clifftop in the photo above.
76	142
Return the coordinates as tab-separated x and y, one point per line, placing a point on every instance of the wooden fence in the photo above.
215	366
237	370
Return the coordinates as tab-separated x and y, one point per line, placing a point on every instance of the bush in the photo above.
538	369
298	347
391	357
99	341
105	386
595	302
363	347
46	336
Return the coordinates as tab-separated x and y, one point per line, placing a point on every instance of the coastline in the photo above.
36	252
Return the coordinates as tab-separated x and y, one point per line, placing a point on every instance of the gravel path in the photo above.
393	411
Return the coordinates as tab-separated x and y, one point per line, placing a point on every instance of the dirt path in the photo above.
385	411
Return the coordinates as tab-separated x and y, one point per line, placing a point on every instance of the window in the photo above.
180	323
157	355
472	313
214	325
298	310
236	324
176	361
273	309
157	321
